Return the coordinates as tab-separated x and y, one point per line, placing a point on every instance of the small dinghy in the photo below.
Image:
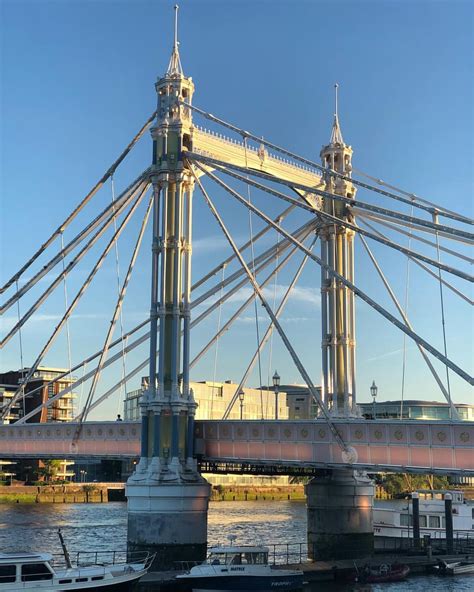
240	569
381	573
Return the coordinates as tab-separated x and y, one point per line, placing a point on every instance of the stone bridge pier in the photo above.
340	515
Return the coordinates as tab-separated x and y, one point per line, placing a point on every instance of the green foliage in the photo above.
49	470
399	484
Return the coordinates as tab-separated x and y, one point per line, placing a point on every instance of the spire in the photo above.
174	67
336	134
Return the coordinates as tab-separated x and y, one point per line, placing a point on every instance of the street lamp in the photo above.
276	386
373	392
241	399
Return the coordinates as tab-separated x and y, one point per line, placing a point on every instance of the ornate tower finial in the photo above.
174	67
336	134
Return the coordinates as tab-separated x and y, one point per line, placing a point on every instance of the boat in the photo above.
393	519
36	571
381	573
240	569
455	568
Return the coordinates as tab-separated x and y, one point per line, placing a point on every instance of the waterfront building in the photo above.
38	391
415	409
213	399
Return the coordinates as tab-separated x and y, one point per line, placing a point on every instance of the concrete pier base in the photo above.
169	518
340	515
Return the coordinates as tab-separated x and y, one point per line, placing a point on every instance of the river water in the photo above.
33	527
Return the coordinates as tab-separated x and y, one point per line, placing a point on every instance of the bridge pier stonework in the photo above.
340	515
167	497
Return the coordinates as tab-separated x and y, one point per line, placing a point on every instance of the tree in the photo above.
400	483
49	470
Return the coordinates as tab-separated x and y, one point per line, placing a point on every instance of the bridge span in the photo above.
256	446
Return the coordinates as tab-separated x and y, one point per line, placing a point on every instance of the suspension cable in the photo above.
68	334
405	312
464	375
270	347
443	322
257	326
216	350
117	268
20	341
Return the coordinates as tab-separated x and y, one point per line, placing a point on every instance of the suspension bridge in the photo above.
167	497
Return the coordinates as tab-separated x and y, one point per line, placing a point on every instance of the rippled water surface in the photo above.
104	526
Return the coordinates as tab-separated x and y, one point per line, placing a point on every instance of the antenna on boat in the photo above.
65	551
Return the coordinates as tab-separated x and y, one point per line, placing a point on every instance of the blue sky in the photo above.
78	81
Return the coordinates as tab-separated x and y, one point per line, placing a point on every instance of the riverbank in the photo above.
114	492
62	494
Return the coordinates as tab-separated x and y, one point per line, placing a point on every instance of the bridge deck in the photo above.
408	446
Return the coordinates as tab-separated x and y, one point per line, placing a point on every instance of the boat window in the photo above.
81	579
65	581
236	559
423	521
31	572
95	578
434	521
7	574
256	558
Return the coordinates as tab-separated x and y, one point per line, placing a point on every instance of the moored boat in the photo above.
240	569
36	571
381	573
454	568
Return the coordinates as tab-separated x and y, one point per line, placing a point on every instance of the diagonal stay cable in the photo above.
284	245
362	220
420	239
362	295
330	217
105	214
246	245
435	208
77	297
268	333
408	324
81	205
66	270
333	196
276	323
194	323
115	316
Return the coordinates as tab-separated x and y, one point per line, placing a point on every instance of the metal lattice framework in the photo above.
188	157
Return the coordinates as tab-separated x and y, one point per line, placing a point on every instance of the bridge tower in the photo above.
340	521
167	498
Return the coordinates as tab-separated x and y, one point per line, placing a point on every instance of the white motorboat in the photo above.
36	571
240	569
455	568
393	519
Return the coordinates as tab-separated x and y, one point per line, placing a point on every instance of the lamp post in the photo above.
241	399
373	392
276	386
